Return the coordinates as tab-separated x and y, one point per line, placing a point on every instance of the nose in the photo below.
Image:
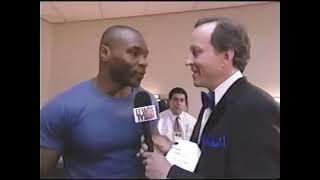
189	61
143	61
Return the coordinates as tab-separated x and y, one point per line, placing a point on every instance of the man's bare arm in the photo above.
48	161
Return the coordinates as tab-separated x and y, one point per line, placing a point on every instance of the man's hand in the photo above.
156	165
161	145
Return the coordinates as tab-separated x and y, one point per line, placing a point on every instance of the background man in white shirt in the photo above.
175	122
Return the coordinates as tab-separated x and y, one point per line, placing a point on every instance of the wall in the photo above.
74	55
46	43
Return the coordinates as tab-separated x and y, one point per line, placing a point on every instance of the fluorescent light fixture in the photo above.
157	96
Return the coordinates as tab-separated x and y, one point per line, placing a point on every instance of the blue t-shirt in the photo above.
96	134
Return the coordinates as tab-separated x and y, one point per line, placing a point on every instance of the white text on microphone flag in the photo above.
145	113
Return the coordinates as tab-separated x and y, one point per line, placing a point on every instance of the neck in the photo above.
222	79
177	114
107	86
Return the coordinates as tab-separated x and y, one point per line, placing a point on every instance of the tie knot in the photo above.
208	99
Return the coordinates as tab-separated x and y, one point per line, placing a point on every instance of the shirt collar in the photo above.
223	87
175	116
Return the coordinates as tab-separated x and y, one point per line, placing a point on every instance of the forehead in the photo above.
201	36
128	39
178	96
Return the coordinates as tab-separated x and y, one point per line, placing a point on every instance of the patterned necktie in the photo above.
177	129
208	100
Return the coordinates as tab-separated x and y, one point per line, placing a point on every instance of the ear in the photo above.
228	57
105	53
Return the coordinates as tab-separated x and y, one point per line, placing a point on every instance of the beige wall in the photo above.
46	43
74	51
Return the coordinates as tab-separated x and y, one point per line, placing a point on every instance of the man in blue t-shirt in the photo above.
91	125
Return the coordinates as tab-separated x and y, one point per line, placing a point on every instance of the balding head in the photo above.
227	34
116	34
123	53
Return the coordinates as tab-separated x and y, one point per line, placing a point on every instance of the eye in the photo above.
145	55
135	53
195	53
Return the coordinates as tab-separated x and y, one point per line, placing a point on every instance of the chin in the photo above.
196	84
135	84
199	84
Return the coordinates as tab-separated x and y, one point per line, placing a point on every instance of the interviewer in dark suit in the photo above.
238	128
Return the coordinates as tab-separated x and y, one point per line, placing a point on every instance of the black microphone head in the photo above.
142	98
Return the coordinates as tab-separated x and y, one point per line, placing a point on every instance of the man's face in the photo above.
128	59
178	103
205	63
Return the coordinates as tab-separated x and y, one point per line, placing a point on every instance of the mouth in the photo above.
140	75
195	71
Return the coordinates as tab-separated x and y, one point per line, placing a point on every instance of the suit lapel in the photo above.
213	132
227	99
195	133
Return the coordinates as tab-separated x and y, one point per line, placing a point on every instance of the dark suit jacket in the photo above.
241	138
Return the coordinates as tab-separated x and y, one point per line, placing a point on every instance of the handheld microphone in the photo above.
144	111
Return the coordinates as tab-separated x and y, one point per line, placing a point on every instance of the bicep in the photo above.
48	160
52	134
53	125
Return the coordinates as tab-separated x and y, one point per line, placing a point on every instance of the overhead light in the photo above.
277	99
157	96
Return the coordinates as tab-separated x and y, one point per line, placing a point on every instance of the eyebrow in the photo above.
194	47
179	98
137	48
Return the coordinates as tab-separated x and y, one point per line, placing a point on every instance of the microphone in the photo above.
144	111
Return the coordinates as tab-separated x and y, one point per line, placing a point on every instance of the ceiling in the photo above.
62	12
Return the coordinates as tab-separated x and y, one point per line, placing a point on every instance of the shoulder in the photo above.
166	113
165	118
66	102
254	107
189	116
73	92
255	98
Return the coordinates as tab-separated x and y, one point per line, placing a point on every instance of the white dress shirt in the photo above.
218	92
167	121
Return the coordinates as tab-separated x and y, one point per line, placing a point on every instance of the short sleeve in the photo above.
52	125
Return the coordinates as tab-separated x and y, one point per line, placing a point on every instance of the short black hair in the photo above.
229	35
178	90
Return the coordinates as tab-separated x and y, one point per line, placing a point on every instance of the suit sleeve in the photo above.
255	142
176	172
